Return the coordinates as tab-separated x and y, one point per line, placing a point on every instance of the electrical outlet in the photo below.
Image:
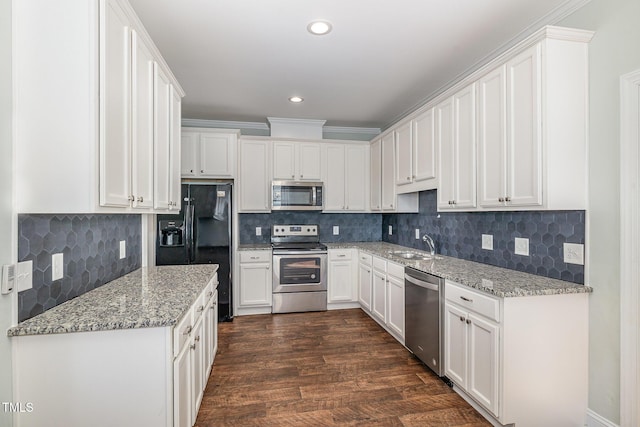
258	231
522	246
336	230
573	253
417	234
57	262
24	276
123	249
487	242
391	230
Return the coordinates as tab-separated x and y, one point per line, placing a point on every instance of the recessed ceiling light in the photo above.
296	99
319	28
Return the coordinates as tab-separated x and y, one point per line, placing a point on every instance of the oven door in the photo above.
299	272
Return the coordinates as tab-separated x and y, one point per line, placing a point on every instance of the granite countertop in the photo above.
255	247
497	281
147	297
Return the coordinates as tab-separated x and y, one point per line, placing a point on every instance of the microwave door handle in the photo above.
313	196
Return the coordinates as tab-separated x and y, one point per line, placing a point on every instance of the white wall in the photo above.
6	202
614	51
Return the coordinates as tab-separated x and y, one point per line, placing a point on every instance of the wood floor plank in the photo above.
334	368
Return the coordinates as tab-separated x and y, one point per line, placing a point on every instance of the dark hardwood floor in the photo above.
323	369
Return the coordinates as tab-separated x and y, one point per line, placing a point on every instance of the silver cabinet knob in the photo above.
507	199
201	308
408	178
140	199
201	170
191	171
131	198
500	199
461	319
468	322
188	330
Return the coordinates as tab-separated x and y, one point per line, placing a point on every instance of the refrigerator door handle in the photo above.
191	252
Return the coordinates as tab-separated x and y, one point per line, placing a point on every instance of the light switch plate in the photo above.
573	253
24	276
487	241
522	246
258	231
123	249
417	233
336	230
391	230
57	262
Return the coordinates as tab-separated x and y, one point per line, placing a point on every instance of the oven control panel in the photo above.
294	230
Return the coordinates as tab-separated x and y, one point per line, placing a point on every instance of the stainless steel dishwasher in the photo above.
424	297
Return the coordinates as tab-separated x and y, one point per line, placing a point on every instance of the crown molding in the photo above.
351	130
286	121
225	124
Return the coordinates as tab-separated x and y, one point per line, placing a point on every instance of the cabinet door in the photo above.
340	287
455	341
404	161
482	382
175	191
255	284
255	188
216	156
309	162
388	189
365	279
376	175
524	129
424	146
284	161
379	303
162	139
115	98
197	368
188	153
334	181
492	139
210	334
446	150
142	124
465	147
182	388
395	304
356	176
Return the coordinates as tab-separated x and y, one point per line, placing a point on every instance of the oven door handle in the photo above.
285	253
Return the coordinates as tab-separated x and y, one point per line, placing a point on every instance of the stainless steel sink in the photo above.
411	255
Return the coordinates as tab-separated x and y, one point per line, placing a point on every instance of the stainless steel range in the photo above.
299	269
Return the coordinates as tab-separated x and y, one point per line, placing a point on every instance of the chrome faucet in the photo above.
429	241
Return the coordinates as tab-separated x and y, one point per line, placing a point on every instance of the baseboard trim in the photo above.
596	420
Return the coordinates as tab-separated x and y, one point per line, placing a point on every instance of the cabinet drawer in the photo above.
379	264
396	270
255	256
181	331
365	258
210	288
473	300
199	305
340	254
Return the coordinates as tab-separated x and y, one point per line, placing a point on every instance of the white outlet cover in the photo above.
391	230
522	246
487	242
123	249
573	253
336	230
417	233
24	276
57	269
258	231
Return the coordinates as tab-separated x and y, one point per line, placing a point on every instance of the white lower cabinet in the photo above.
342	289
365	280
255	282
520	359
387	294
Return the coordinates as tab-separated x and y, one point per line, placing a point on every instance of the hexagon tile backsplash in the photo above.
459	235
90	244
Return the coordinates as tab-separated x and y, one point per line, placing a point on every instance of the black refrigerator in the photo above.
201	234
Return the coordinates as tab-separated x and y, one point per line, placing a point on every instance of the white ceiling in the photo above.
240	60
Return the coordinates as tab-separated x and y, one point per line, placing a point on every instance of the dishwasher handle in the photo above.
422	283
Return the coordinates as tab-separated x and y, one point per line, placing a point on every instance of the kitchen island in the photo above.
133	352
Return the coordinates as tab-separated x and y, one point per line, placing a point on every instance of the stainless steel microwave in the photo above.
296	196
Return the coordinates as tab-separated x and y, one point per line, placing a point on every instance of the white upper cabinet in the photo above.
209	153
388	190
93	148
345	176
376	175
425	148
254	175
162	151
382	179
296	161
404	160
175	192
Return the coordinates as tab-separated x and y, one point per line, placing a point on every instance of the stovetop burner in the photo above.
299	246
296	238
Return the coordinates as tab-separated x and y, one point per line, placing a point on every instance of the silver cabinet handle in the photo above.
210	293
201	308
500	199
140	199
301	176
293	176
468	322
197	339
507	199
191	170
466	299
461	319
255	257
201	170
192	346
341	255
408	178
131	198
188	331
267	267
